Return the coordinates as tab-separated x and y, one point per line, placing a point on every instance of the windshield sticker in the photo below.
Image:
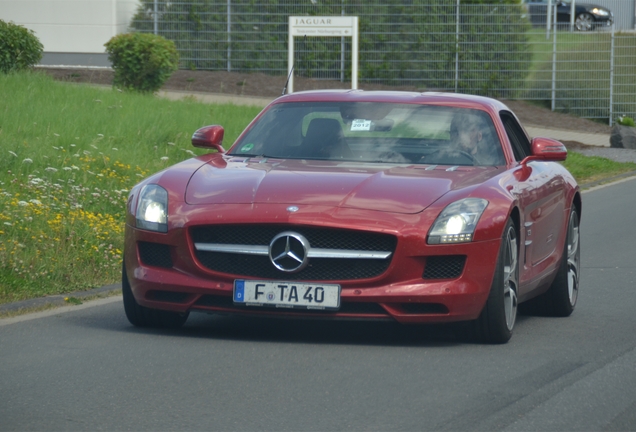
247	147
361	125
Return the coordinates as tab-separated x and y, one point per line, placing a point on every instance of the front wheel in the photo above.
499	315
584	22
140	316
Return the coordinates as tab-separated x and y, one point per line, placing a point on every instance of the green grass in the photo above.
71	153
594	169
582	73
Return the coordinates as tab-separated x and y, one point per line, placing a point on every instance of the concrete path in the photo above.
600	140
216	98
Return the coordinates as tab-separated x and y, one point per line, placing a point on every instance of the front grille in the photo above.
444	267
327	238
318	268
155	254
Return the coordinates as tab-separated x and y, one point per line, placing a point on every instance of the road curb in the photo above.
607	181
58	300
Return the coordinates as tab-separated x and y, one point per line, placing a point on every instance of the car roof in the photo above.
381	96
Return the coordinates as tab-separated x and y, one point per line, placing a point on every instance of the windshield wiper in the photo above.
247	155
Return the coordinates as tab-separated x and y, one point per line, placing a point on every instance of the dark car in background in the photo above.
587	16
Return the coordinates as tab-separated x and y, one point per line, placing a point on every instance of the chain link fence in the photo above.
434	45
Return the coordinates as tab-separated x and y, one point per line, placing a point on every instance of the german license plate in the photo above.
287	294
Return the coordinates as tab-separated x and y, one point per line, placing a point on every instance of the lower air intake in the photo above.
444	267
155	254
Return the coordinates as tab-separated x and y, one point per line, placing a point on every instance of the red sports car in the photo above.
413	207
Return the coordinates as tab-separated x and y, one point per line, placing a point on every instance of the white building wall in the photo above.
71	26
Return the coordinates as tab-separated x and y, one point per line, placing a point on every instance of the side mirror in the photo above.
209	137
546	149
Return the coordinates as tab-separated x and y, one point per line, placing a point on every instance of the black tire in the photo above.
140	316
497	319
584	22
560	299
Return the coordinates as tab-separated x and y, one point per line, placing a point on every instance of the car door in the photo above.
563	12
541	197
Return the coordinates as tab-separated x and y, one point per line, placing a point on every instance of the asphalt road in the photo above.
86	368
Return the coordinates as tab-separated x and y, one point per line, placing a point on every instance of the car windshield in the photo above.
373	132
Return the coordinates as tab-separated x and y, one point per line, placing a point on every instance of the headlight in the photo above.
600	12
456	224
152	209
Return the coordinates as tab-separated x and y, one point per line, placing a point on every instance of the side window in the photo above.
518	139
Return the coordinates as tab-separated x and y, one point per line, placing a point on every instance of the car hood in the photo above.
380	187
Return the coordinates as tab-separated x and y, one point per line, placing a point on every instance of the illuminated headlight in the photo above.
600	12
152	209
456	224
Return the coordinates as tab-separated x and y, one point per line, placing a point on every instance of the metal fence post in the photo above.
156	18
457	46
548	19
611	85
229	35
554	59
342	48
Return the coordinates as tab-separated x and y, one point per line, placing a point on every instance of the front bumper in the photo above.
401	293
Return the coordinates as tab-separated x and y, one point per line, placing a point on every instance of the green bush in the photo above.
625	121
20	49
141	61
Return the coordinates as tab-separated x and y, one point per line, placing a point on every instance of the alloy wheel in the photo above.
584	22
510	278
573	257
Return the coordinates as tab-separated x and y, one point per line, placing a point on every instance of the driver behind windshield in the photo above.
472	133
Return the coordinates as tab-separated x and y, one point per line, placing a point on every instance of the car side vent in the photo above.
444	267
155	254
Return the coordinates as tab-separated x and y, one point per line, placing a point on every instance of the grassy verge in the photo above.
593	169
70	154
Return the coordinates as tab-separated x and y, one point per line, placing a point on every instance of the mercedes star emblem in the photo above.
288	251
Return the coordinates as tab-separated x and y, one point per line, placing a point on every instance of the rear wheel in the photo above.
560	299
499	315
145	317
